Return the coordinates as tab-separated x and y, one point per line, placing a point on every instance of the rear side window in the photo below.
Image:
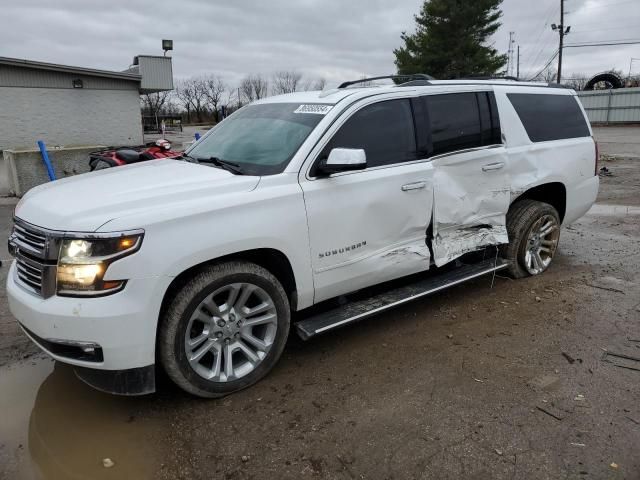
458	121
549	117
384	130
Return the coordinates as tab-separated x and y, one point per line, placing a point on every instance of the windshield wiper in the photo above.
225	164
188	158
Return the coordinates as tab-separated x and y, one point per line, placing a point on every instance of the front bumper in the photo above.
122	326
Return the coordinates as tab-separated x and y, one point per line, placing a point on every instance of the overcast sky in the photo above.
334	39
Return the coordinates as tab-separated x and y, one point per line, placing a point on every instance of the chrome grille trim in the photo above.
30	239
35	262
29	274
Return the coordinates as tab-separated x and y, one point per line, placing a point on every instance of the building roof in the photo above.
18	62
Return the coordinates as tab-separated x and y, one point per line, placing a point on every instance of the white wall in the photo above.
68	117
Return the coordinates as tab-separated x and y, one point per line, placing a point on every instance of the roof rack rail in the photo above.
413	76
486	77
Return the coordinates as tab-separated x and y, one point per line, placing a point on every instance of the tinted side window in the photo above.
549	117
384	130
455	122
489	119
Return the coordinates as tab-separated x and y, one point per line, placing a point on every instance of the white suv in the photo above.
199	263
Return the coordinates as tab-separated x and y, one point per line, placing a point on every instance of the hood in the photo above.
85	202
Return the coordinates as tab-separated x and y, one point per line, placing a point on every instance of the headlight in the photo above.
82	263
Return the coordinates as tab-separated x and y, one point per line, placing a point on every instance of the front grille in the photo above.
30	239
30	273
36	255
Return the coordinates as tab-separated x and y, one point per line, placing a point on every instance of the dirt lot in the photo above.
514	381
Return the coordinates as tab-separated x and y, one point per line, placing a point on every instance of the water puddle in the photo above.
614	210
53	426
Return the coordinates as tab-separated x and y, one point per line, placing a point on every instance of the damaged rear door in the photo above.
471	184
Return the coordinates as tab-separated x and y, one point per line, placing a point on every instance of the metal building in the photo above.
614	106
73	106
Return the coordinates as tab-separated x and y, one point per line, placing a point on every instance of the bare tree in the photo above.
214	88
548	75
577	81
192	94
183	95
285	82
319	83
254	87
314	84
153	103
633	81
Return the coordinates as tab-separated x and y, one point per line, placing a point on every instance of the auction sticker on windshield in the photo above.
314	108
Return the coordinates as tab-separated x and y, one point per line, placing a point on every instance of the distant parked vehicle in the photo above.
115	157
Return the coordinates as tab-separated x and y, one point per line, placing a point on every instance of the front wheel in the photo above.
534	233
224	330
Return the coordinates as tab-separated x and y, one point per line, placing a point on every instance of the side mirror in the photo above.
343	160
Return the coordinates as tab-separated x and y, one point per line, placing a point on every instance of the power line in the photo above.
553	57
547	46
575	45
608	40
588	27
600	5
549	13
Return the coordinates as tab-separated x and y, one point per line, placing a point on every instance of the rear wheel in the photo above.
534	233
224	330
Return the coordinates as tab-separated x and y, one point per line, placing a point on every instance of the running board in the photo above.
360	309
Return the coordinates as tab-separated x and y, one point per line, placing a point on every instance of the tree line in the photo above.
203	99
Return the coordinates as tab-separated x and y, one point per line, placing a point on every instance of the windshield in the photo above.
261	139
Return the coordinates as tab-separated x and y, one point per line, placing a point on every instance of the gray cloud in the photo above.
334	39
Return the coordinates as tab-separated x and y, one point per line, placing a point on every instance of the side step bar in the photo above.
360	309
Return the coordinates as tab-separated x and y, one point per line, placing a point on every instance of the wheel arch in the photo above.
553	193
271	259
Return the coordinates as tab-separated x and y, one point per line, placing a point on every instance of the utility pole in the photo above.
630	64
518	69
510	55
562	31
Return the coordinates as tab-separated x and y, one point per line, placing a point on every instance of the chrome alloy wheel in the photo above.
541	244
230	332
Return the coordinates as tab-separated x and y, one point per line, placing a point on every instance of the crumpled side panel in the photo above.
471	199
454	243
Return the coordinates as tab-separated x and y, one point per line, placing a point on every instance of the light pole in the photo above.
562	31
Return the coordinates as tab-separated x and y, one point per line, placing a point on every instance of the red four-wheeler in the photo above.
115	157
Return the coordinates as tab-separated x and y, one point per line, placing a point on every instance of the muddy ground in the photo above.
515	381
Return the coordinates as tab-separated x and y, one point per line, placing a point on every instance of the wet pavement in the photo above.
53	427
523	380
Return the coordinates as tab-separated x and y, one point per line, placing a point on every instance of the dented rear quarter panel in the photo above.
568	161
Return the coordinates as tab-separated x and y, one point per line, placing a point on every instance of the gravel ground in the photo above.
514	381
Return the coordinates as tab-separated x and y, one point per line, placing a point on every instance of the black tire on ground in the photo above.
521	217
173	325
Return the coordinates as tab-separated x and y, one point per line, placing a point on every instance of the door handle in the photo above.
413	186
492	166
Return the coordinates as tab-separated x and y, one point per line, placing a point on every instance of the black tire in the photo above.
172	330
100	163
521	218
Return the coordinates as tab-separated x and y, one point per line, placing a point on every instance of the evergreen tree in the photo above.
451	40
